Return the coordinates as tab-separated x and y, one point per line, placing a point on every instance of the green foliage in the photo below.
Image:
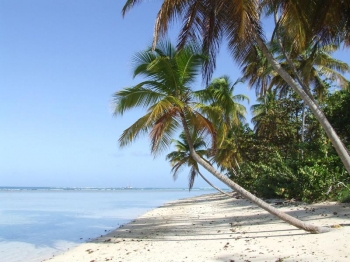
337	111
343	195
165	94
305	180
267	179
280	165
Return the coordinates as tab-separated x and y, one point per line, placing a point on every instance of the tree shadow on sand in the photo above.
242	220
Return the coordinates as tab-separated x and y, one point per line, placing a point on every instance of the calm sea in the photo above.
36	223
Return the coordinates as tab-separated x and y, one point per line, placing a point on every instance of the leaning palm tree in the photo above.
166	94
181	156
311	68
170	104
304	22
258	72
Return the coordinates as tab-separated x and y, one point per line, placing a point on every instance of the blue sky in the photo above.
60	63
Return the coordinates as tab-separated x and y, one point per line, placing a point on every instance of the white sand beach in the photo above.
217	228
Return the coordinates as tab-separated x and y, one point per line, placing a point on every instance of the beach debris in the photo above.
336	226
281	259
89	251
226	245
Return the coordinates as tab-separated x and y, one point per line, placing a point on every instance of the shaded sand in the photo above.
217	228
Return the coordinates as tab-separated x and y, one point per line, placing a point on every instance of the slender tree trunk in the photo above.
259	202
332	135
303	116
218	189
304	93
289	61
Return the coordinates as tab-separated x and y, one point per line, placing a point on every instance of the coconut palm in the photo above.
264	115
239	22
223	107
305	21
311	68
258	72
221	103
166	94
182	157
170	104
228	155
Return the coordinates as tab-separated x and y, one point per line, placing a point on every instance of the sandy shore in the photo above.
216	228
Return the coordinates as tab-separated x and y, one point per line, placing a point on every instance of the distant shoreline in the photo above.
213	227
7	188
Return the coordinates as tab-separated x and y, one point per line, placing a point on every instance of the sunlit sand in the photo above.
216	228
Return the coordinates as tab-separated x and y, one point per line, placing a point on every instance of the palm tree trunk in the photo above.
303	117
316	110
237	188
218	189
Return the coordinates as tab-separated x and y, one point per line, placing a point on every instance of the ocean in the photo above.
37	223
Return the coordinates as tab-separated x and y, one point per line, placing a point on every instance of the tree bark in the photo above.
259	202
303	116
316	110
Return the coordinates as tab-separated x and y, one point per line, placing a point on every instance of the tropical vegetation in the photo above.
299	25
182	157
171	104
298	144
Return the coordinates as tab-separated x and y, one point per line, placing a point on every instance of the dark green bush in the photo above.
302	180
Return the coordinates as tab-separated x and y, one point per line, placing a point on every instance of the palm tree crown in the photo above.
182	156
222	106
165	93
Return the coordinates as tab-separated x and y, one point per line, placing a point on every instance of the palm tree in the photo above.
258	72
265	113
166	94
305	21
182	157
220	104
311	68
223	107
239	21
170	105
228	155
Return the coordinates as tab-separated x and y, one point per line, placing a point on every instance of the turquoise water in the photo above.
36	223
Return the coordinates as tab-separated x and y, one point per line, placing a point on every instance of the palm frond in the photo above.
141	126
163	130
136	96
192	176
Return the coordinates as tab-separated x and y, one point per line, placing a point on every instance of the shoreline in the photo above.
213	227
